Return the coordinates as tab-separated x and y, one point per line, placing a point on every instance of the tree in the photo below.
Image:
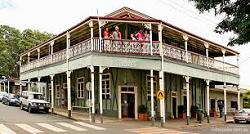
236	17
12	43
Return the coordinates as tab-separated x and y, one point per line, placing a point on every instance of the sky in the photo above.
55	16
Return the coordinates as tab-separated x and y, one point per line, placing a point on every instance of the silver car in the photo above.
1	95
243	115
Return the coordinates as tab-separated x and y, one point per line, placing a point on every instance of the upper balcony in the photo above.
129	47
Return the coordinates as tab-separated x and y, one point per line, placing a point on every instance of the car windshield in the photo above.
245	111
38	96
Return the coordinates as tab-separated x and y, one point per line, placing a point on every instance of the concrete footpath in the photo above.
170	124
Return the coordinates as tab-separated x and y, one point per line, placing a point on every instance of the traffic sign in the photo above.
160	95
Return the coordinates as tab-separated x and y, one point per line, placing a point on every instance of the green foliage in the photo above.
142	109
182	109
236	17
12	43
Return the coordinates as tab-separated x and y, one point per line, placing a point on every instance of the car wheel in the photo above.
21	106
46	111
236	121
29	109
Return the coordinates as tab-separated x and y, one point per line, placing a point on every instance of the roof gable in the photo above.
126	12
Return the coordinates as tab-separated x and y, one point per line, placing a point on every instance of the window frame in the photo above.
81	95
105	89
58	91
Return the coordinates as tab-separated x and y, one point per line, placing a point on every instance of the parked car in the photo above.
33	101
243	115
1	95
11	100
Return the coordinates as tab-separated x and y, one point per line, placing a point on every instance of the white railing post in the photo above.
207	54
91	35
185	37
151	39
223	52
51	51
38	57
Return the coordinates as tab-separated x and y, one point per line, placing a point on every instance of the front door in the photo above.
128	105
174	107
127	102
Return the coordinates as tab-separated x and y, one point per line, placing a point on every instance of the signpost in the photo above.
160	95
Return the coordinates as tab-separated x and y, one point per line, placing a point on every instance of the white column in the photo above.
207	54
39	85
51	51
8	86
68	74
238	88
29	85
188	106
100	91
225	100
91	35
185	37
152	96
20	87
52	92
161	76
151	39
93	92
162	102
69	92
208	101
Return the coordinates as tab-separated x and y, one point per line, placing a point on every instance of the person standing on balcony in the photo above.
106	37
140	38
106	34
116	35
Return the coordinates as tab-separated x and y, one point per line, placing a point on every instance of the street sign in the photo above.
160	95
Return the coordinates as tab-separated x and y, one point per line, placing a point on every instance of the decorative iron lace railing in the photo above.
130	47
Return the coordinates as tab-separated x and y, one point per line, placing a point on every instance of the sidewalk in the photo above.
170	124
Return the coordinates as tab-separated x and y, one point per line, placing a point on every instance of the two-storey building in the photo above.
114	77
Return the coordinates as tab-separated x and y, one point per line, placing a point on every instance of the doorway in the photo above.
127	102
128	105
174	105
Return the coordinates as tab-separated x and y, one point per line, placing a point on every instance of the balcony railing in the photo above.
129	47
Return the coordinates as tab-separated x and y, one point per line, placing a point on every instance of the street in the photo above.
15	121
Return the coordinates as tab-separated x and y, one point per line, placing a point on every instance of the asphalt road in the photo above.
16	121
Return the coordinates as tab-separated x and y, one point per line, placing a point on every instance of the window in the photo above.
106	93
234	104
80	87
148	81
57	91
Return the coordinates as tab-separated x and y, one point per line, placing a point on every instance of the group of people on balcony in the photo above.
116	35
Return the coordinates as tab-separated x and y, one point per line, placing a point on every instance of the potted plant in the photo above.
182	112
142	112
194	111
212	113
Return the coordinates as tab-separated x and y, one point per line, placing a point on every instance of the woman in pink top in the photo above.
139	36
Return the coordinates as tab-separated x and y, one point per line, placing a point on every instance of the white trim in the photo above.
128	92
77	88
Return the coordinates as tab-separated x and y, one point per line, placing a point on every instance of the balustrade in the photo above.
133	48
